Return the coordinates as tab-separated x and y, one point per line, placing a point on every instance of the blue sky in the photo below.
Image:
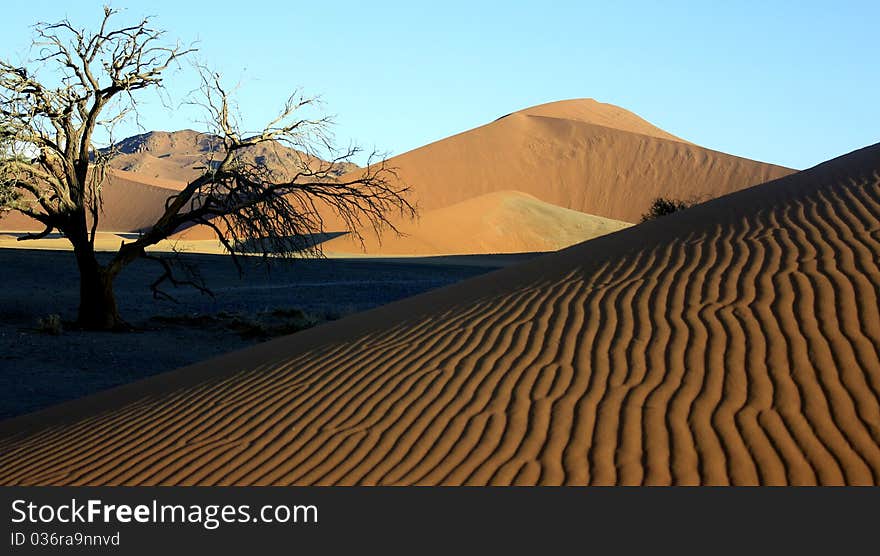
789	82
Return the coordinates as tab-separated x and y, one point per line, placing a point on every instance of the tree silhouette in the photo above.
52	170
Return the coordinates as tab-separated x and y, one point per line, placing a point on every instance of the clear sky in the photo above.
789	82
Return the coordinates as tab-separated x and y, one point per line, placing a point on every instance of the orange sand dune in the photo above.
500	222
131	203
733	343
179	156
182	156
153	162
582	155
599	113
579	154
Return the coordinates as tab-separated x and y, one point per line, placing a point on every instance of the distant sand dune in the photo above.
733	343
499	222
578	154
131	202
182	156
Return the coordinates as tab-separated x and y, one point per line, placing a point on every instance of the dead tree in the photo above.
52	170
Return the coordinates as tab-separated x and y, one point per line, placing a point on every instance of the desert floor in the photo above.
38	369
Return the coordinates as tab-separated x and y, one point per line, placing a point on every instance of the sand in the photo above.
591	111
577	155
182	156
153	166
580	154
109	242
732	343
131	202
38	370
500	222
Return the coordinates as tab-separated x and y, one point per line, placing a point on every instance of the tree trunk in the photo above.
97	303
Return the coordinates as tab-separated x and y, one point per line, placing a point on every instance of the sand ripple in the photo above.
735	343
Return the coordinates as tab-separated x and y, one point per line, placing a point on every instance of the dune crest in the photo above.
591	111
732	343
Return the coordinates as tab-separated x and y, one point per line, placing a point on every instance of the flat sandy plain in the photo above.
733	343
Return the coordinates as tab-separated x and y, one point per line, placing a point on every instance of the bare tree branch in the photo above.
194	278
52	170
56	124
254	210
38	235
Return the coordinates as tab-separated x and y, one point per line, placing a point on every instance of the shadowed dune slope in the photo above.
131	203
580	154
735	342
500	222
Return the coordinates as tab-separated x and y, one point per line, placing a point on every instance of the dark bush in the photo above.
663	206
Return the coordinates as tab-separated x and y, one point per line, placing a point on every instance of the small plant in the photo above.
50	324
288	313
260	326
339	312
663	206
